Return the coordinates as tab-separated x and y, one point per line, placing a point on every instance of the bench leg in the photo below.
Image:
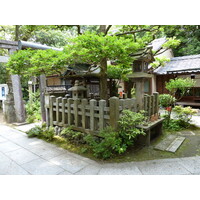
148	138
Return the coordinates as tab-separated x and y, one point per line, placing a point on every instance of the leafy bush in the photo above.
42	132
106	144
35	132
127	126
110	142
48	133
166	99
73	136
184	114
33	108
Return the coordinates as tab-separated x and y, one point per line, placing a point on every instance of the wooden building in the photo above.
181	67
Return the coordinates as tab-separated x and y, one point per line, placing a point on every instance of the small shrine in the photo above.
78	90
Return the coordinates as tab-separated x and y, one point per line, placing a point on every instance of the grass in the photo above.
190	147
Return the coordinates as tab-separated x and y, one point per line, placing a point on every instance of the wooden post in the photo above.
156	96
149	106
64	119
76	102
114	112
102	105
51	113
152	105
69	102
83	103
58	101
93	103
146	105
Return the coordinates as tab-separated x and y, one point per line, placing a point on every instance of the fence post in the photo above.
114	111
156	96
149	106
76	102
58	101
64	101
102	105
146	104
152	105
51	114
69	102
84	103
93	103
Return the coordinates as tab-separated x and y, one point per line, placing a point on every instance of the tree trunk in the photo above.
16	32
103	73
103	80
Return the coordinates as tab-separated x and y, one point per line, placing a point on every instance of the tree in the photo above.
189	35
181	84
98	49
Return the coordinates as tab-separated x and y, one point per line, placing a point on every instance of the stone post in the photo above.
42	85
18	98
140	92
114	112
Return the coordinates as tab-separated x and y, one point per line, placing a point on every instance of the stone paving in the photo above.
20	155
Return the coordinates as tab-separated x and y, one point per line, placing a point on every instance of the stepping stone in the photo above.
175	144
171	143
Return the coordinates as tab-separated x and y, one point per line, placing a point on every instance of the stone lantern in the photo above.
78	91
140	72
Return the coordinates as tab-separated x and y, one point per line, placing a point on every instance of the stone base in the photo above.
9	111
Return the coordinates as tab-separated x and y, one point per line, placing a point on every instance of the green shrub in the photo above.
110	142
127	126
184	114
48	133
166	100
73	136
35	132
106	144
33	108
42	132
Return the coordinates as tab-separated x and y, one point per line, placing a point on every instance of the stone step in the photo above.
171	143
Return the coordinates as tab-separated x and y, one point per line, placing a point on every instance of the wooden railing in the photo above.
91	115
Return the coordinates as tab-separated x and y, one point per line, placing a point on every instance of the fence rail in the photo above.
91	115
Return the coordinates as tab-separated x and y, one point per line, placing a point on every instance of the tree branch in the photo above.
107	29
138	31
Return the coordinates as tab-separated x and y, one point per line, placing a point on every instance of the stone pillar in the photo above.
139	92
18	98
42	85
9	108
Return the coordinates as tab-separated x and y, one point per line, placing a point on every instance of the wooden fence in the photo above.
91	116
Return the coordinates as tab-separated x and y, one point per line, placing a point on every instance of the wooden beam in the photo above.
13	43
7	46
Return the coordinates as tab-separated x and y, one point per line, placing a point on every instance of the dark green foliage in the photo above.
166	100
35	132
3	73
44	132
48	133
33	108
110	142
73	136
106	145
127	126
